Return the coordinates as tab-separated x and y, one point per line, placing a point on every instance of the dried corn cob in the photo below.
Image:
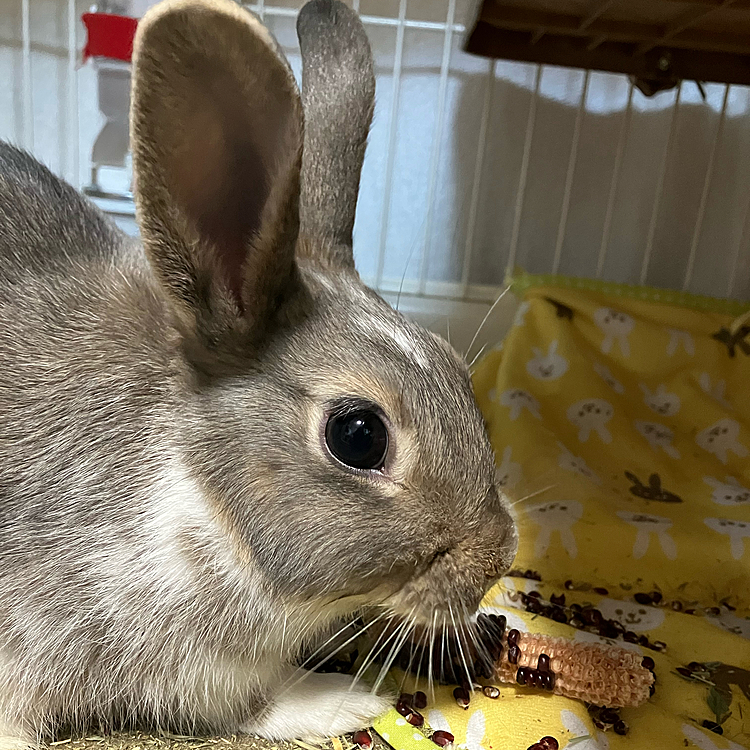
593	672
597	673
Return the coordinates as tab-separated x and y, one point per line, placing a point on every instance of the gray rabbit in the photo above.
217	443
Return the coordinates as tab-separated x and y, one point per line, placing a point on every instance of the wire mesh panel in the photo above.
473	166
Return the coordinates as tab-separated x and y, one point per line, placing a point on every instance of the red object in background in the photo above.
109	36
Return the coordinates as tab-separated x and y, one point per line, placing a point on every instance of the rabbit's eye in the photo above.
358	439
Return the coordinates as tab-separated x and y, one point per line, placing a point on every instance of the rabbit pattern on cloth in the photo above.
621	428
620	421
673	719
628	421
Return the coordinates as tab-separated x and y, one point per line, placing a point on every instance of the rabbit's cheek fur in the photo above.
312	530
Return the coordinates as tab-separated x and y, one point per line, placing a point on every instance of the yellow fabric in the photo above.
671	720
621	427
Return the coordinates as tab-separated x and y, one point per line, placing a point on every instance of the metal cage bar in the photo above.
523	176
660	186
622	141
569	174
477	179
391	152
706	187
437	142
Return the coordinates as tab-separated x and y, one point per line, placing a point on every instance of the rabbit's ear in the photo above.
633	478
216	124
338	93
475	730
438	721
552	348
536	351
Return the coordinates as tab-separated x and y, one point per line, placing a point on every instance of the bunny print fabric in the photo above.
702	670
620	421
621	424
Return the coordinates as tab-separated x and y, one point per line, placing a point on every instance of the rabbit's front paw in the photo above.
12	741
319	706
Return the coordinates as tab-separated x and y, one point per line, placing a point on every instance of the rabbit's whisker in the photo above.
477	356
486	318
419	647
459	644
531	495
406	266
443	648
430	676
407	629
375	651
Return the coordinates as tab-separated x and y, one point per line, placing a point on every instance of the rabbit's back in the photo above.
45	225
83	366
87	431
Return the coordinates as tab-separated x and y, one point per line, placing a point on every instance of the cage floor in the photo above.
144	741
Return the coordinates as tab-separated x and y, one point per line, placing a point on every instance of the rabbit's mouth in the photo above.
455	580
444	652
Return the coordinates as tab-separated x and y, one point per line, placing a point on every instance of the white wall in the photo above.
470	167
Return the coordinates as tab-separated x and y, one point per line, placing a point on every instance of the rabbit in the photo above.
661	400
549	366
217	443
722	438
728	492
